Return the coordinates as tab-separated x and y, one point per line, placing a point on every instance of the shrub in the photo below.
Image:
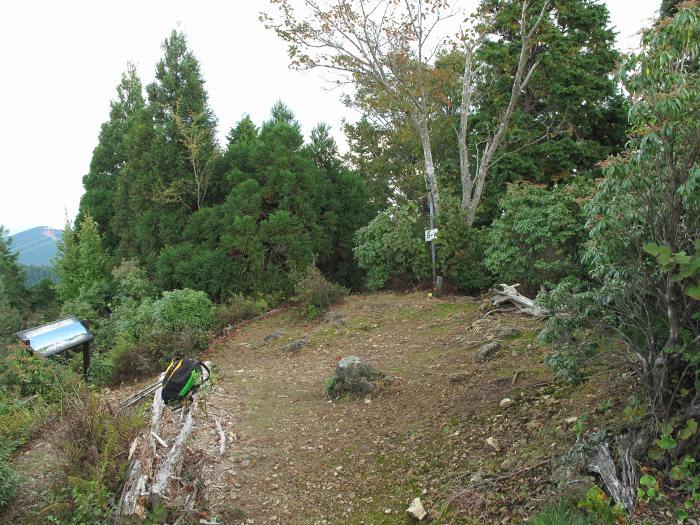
92	437
537	237
460	250
184	309
315	293
238	308
390	249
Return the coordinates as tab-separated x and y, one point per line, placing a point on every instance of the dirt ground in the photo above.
294	457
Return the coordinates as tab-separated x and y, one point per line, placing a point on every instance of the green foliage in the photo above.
92	438
81	261
287	205
598	504
238	308
563	512
29	386
460	250
109	157
181	309
642	219
648	489
535	240
391	249
314	293
8	480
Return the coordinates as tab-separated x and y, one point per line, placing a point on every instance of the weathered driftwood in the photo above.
222	436
149	474
623	488
508	293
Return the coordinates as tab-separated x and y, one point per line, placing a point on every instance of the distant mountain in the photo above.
36	246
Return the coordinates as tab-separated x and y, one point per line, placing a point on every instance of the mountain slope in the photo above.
36	246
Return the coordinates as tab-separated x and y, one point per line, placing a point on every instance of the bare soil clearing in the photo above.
298	458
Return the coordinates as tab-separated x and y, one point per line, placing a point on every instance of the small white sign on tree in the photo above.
430	234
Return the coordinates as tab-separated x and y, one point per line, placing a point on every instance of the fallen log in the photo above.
509	294
154	463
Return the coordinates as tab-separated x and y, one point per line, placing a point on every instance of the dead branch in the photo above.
508	293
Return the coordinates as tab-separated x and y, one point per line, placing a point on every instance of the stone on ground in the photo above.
494	444
506	402
353	376
416	510
296	345
274	336
487	351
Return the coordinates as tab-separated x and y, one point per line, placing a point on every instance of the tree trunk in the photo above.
421	127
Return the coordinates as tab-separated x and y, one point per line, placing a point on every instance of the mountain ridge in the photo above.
36	246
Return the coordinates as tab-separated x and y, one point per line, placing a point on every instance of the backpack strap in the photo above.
205	367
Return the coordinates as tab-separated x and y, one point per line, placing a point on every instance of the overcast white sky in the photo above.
61	62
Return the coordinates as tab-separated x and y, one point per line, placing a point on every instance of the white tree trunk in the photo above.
421	126
473	187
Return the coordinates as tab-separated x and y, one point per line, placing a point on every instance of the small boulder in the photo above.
416	510
571	420
274	336
352	376
494	444
506	402
296	345
487	351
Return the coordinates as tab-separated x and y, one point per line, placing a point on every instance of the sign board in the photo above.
430	234
56	337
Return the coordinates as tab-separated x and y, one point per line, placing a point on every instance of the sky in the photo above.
61	62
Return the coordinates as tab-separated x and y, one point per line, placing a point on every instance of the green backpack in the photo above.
182	377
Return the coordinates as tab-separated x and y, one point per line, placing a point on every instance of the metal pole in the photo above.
432	242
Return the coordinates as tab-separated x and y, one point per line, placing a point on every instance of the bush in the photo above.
92	437
460	251
390	249
537	237
184	309
315	293
238	308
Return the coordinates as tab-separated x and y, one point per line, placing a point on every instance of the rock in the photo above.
459	377
507	464
571	420
354	376
494	444
274	336
416	510
487	351
339	323
477	477
363	386
505	332
296	345
353	367
333	316
505	402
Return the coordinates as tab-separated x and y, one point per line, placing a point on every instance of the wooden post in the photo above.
86	360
